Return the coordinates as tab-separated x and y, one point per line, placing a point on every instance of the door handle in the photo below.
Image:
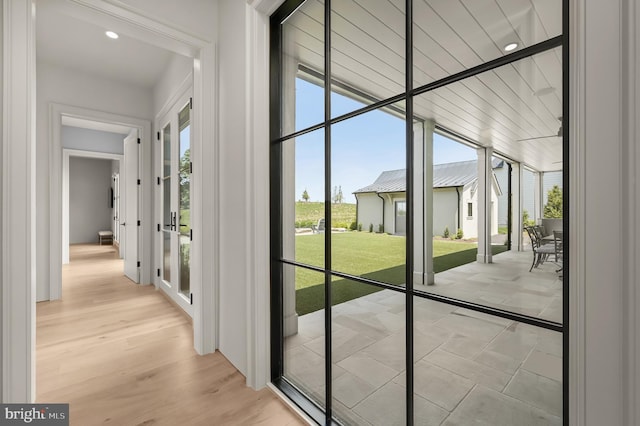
123	224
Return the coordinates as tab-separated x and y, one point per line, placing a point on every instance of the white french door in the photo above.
131	231
175	189
116	207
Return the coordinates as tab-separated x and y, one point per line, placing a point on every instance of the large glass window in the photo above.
417	223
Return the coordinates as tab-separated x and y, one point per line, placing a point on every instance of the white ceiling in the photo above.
495	108
70	42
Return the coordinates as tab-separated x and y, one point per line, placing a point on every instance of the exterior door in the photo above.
176	205
130	220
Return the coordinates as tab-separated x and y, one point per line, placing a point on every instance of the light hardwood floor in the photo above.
121	354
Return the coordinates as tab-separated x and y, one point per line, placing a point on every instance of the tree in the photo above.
337	196
305	195
525	219
553	208
185	180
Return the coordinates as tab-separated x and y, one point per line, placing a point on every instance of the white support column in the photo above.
537	197
18	202
484	204
258	318
423	202
205	188
516	207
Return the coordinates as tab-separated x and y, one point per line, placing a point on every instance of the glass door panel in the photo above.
167	214
184	177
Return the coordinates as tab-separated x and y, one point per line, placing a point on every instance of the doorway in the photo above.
48	259
126	132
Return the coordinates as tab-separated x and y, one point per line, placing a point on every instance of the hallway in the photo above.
121	354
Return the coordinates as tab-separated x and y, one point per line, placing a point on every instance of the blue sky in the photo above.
362	147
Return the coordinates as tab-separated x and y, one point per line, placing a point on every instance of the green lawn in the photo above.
307	214
379	257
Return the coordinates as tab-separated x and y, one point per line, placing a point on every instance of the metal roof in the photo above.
444	176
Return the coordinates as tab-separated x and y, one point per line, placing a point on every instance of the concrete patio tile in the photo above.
515	342
536	390
440	386
549	342
347	415
389	351
474	371
374	325
386	407
296	340
464	346
553	311
426	315
304	367
544	364
345	342
369	305
486	407
393	299
486	317
437	385
498	361
469	326
368	369
350	389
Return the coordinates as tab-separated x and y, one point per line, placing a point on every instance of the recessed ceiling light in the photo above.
511	46
112	35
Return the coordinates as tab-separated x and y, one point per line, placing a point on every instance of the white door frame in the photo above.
18	172
66	154
57	186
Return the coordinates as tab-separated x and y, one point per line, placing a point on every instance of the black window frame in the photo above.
276	227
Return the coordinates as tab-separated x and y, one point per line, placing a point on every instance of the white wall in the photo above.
194	16
389	212
502	176
89	204
370	211
69	87
528	190
92	140
445	210
233	182
178	69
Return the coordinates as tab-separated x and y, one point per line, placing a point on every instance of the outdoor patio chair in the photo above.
540	250
557	242
319	228
542	237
